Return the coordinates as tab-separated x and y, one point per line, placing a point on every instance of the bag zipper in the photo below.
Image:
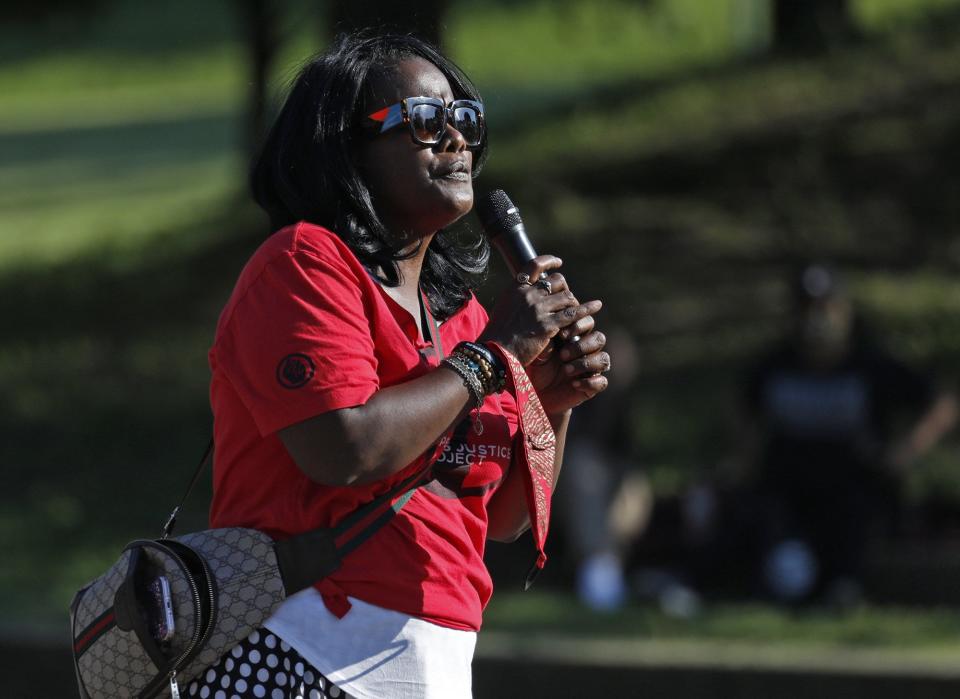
197	644
201	632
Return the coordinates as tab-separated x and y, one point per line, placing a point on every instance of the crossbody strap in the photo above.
172	519
306	558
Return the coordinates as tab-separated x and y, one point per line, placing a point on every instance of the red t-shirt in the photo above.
308	330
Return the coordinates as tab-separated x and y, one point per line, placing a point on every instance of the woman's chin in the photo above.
454	204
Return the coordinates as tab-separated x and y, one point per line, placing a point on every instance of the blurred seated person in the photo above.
605	502
834	422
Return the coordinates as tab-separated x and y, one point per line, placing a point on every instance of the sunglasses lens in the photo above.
427	121
466	120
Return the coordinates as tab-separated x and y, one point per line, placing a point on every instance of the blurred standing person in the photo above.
605	501
827	410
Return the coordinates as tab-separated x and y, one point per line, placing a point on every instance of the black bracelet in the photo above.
484	351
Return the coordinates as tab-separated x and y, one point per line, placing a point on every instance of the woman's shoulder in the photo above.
319	241
298	240
299	255
303	237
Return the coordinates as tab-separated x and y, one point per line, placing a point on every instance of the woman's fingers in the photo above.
530	273
556	302
572	314
551	291
581	328
596	363
591	385
554	283
537	308
590	342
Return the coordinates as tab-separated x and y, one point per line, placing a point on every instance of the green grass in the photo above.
549	613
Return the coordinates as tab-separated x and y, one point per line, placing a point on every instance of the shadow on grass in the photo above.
123	149
105	413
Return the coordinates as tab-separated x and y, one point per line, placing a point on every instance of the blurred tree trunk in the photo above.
424	18
260	24
809	26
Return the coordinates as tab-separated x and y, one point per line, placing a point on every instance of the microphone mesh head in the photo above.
497	213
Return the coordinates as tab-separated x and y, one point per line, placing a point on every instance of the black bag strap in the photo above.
306	558
172	519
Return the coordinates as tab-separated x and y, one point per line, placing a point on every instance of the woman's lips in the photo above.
458	171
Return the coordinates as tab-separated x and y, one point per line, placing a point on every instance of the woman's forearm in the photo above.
371	441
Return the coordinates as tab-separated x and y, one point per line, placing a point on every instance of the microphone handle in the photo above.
514	247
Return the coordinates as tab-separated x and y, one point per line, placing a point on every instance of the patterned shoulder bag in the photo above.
170	607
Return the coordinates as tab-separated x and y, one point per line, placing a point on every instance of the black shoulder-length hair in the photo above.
306	172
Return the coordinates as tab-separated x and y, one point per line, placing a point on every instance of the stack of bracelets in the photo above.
481	370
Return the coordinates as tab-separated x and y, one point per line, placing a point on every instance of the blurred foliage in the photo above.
678	169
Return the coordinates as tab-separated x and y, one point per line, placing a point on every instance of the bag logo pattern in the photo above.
247	588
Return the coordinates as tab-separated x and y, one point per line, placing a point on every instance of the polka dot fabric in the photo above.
263	666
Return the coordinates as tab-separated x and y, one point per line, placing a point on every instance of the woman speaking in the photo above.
352	356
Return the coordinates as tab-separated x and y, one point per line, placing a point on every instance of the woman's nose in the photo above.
452	140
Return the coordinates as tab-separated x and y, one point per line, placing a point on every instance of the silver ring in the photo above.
524	278
546	285
575	338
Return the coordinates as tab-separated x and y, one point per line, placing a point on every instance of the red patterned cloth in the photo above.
538	453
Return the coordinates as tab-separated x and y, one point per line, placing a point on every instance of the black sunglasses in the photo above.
427	118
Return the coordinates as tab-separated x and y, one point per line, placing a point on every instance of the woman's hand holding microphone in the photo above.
541	322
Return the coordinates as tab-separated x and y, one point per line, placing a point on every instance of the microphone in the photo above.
501	220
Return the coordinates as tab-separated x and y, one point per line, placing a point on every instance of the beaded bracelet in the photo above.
485	371
492	373
470	372
489	360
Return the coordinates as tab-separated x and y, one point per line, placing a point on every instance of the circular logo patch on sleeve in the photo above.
295	370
